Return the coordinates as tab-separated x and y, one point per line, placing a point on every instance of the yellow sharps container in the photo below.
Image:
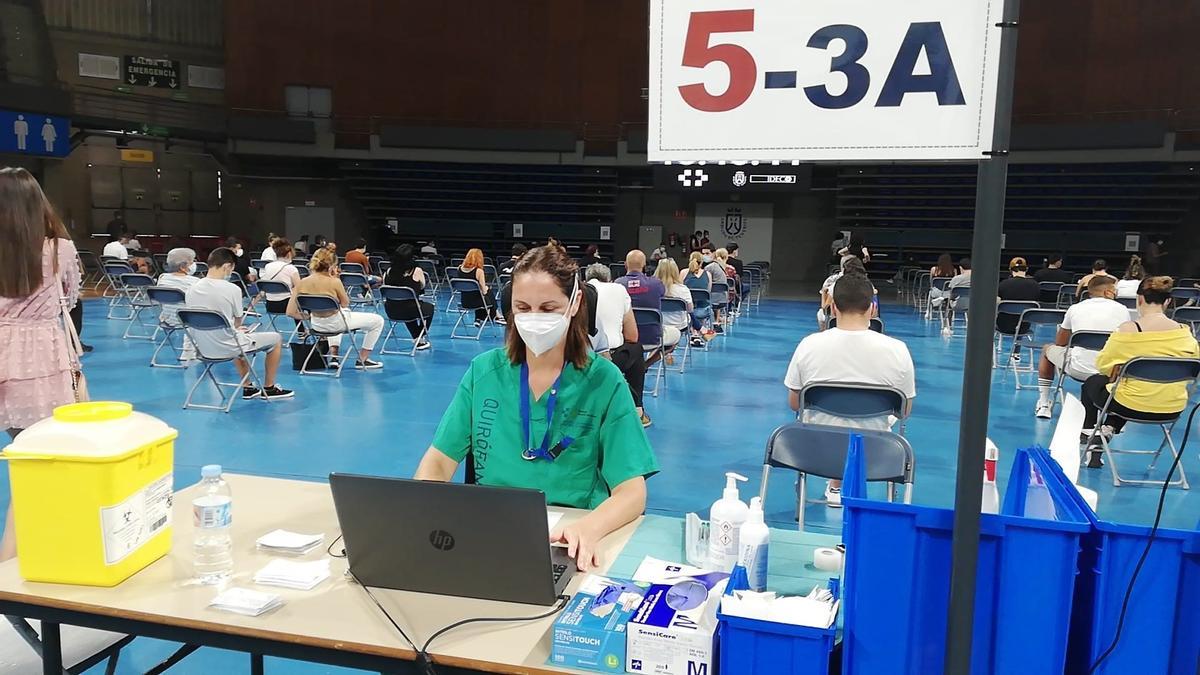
91	491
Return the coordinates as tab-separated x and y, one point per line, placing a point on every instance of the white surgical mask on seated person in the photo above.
238	253
541	331
707	259
191	269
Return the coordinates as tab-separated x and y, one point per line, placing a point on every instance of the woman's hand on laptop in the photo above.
581	543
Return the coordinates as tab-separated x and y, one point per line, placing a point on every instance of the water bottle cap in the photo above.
210	471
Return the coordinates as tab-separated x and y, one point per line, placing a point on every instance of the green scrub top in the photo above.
594	407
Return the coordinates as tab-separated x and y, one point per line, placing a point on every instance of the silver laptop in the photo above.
470	541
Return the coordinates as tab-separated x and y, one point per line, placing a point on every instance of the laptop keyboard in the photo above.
559	571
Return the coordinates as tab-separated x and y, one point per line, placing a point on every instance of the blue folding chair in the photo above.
1043	329
359	290
135	288
957	303
375	262
430	268
1049	293
821	451
617	270
402	294
351	268
259	264
1130	303
201	269
646	317
1011	310
938	284
325	303
720	304
1189	316
1156	370
216	342
676	307
855	401
470	299
1080	339
272	287
701	299
119	301
169	301
1184	296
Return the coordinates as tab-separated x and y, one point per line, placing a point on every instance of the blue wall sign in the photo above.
34	134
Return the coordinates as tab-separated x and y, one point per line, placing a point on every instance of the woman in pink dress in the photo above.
35	366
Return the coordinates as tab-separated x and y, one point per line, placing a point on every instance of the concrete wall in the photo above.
804	224
68	44
255	207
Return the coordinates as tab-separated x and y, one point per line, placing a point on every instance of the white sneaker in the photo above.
1044	410
833	497
423	345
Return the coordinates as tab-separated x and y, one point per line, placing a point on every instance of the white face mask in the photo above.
707	259
191	269
541	331
238	253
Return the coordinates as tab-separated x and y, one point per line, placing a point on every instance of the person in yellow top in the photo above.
1153	334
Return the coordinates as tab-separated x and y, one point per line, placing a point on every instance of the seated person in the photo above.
646	292
241	263
1053	271
215	293
960	280
825	357
180	274
827	295
1099	313
716	272
944	268
405	273
324	281
268	253
1099	269
1018	287
617	331
472	268
1128	286
697	278
674	323
282	270
604	465
119	248
358	255
518	252
1153	334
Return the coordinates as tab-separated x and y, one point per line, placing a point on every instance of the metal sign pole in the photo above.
977	369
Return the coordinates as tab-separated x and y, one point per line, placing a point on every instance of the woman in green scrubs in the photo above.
544	412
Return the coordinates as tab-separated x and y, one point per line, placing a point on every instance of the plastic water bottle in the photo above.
212	514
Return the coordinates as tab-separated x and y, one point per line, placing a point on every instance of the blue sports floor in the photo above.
714	418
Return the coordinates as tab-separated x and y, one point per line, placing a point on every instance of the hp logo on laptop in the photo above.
441	540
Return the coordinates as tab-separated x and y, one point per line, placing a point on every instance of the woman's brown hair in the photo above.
553	260
281	246
473	260
26	221
1156	290
695	262
322	260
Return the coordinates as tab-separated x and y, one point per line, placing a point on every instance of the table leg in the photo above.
51	649
256	664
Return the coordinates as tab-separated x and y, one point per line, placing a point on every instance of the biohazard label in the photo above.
130	524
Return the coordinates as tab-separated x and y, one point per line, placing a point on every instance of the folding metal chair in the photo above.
700	299
215	327
201	269
470	298
938	284
1183	296
921	286
490	274
434	283
119	304
754	297
1081	339
957	303
160	261
135	286
302	269
1189	316
1130	303
1066	296
248	298
721	291
402	294
374	262
384	266
169	300
82	648
648	317
821	451
1156	370
876	324
324	303
855	401
272	287
617	270
678	306
1049	293
1043	329
359	290
259	264
1009	309
93	269
351	268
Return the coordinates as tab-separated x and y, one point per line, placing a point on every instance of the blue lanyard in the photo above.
543	451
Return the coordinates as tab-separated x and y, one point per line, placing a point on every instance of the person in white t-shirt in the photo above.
1099	313
1129	285
617	332
851	353
215	293
282	270
116	248
269	253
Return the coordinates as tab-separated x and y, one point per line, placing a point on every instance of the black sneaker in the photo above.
274	391
368	365
423	345
87	348
250	392
1095	457
697	341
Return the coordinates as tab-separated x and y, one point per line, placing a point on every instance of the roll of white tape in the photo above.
827	559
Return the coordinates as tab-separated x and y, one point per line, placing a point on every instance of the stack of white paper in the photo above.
302	576
291	543
246	602
818	609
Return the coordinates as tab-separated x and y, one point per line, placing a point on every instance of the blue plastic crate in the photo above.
1162	626
897	581
754	647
